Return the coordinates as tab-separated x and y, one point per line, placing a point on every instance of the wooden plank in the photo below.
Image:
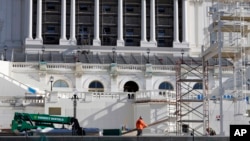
154	123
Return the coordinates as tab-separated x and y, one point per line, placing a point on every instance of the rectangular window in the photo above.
51	29
129	42
161	33
51	6
106	40
106	8
83	31
83	7
129	32
161	9
161	43
106	30
129	8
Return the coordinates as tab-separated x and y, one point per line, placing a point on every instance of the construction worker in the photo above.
140	124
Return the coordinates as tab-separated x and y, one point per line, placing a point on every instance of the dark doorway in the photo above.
131	86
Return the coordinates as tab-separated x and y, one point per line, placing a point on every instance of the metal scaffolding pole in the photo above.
221	90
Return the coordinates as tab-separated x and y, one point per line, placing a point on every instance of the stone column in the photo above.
152	42
29	24
96	41
72	23
39	21
184	21
143	23
176	22
63	39
120	41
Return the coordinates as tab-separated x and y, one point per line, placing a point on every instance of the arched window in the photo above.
198	86
165	86
96	86
60	83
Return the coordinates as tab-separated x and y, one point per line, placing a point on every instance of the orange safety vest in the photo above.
140	124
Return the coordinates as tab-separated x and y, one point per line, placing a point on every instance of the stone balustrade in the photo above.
23	66
154	95
147	96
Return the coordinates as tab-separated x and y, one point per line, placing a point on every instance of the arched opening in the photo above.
96	86
131	87
61	84
198	86
165	86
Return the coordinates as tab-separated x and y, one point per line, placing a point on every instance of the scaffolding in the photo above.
229	39
191	102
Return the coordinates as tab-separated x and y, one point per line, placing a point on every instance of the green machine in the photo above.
24	122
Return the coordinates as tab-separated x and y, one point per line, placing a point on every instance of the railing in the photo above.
95	66
163	68
156	95
22	100
25	65
65	66
146	96
19	66
83	95
88	96
142	96
131	67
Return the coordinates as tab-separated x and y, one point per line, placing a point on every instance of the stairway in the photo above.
13	87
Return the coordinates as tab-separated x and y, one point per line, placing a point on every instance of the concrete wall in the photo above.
99	114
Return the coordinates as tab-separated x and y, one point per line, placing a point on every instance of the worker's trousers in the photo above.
139	132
